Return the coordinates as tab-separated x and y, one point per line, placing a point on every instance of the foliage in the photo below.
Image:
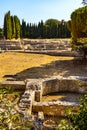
78	27
52	28
17	27
11	26
1	33
7	26
23	29
65	125
79	119
76	120
9	117
84	2
79	22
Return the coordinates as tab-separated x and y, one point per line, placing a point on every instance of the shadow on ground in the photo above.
59	67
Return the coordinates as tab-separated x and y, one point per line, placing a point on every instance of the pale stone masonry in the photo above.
41	87
34	89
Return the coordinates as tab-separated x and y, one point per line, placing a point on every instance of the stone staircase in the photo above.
31	94
25	104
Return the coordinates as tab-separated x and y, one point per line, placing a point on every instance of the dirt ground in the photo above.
70	97
25	65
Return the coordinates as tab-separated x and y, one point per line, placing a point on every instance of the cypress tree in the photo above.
13	27
17	27
40	29
1	33
27	30
7	26
23	27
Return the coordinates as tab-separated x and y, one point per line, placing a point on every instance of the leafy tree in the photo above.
52	27
78	28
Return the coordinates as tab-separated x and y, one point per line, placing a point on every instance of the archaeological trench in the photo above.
35	89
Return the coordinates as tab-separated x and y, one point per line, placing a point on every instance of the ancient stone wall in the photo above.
54	108
64	84
46	86
36	88
10	45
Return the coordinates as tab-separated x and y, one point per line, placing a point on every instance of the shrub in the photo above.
76	120
10	119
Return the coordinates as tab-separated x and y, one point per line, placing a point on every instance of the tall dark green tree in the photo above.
17	27
63	31
40	29
52	28
7	26
45	31
13	27
27	30
1	33
23	27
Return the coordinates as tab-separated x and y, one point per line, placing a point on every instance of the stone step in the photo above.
26	95
25	101
23	109
24	104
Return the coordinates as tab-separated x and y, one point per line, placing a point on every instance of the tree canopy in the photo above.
78	28
52	28
11	26
84	2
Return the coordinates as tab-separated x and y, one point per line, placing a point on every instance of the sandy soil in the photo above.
39	66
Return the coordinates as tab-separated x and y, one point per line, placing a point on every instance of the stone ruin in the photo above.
32	93
10	45
36	88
